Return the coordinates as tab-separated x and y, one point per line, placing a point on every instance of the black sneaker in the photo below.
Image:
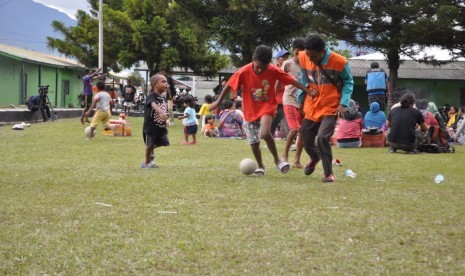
310	167
391	150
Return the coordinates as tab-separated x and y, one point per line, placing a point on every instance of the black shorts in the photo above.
190	129
87	101
155	140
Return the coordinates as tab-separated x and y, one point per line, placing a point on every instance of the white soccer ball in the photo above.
87	131
247	166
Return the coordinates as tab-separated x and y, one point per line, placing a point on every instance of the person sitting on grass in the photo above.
402	123
375	118
155	116
205	109
231	121
189	120
257	80
349	133
102	104
210	130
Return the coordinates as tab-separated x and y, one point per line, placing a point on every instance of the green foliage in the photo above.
197	215
158	33
240	26
391	27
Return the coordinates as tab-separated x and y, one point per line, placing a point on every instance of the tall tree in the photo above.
156	32
240	26
393	27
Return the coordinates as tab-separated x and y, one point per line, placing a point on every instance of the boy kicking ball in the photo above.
102	104
257	80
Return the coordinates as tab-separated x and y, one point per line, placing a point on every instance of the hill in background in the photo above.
26	24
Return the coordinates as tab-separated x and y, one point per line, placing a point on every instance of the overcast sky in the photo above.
69	7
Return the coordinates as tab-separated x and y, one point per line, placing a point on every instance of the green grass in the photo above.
391	219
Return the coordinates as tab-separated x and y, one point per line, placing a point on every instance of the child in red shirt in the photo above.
257	80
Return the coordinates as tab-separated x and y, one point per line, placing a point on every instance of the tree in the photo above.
156	32
240	26
393	27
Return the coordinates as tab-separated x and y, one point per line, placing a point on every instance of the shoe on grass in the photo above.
310	167
330	178
148	166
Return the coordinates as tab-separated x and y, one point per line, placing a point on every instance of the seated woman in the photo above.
453	118
434	110
231	122
430	120
459	133
350	128
375	118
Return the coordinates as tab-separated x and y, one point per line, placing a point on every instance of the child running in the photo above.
189	120
102	104
154	130
257	80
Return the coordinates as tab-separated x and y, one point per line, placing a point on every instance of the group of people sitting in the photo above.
227	122
405	127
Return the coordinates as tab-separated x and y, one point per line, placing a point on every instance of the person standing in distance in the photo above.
129	95
376	81
326	71
87	92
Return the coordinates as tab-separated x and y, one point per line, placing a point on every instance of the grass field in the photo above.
78	207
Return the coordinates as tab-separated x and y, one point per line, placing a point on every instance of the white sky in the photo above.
69	7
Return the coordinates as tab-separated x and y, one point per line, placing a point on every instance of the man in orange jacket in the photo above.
328	74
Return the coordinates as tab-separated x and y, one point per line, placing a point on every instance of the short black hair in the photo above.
263	54
227	104
422	104
407	100
189	100
208	117
208	99
298	43
315	42
100	85
374	65
238	104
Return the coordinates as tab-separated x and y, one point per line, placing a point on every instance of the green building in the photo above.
441	84
22	71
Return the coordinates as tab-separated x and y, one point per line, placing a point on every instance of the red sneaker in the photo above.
329	178
310	167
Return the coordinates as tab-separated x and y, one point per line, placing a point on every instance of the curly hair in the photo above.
315	42
263	54
407	100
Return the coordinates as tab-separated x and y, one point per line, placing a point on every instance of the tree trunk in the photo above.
393	60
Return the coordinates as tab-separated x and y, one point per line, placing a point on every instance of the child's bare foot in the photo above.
82	120
297	165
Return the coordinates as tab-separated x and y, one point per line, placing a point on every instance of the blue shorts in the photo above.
189	130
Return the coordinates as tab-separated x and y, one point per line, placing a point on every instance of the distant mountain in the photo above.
26	24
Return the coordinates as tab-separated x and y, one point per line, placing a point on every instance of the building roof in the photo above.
39	58
411	69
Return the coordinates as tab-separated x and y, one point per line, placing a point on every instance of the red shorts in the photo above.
293	116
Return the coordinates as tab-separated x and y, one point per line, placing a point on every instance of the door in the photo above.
65	91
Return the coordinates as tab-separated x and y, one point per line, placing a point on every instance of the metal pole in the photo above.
100	34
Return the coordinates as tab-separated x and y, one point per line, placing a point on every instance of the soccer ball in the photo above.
87	131
247	166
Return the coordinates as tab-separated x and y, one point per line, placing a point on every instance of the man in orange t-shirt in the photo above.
321	111
257	81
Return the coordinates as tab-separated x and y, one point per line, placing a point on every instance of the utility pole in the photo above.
100	34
